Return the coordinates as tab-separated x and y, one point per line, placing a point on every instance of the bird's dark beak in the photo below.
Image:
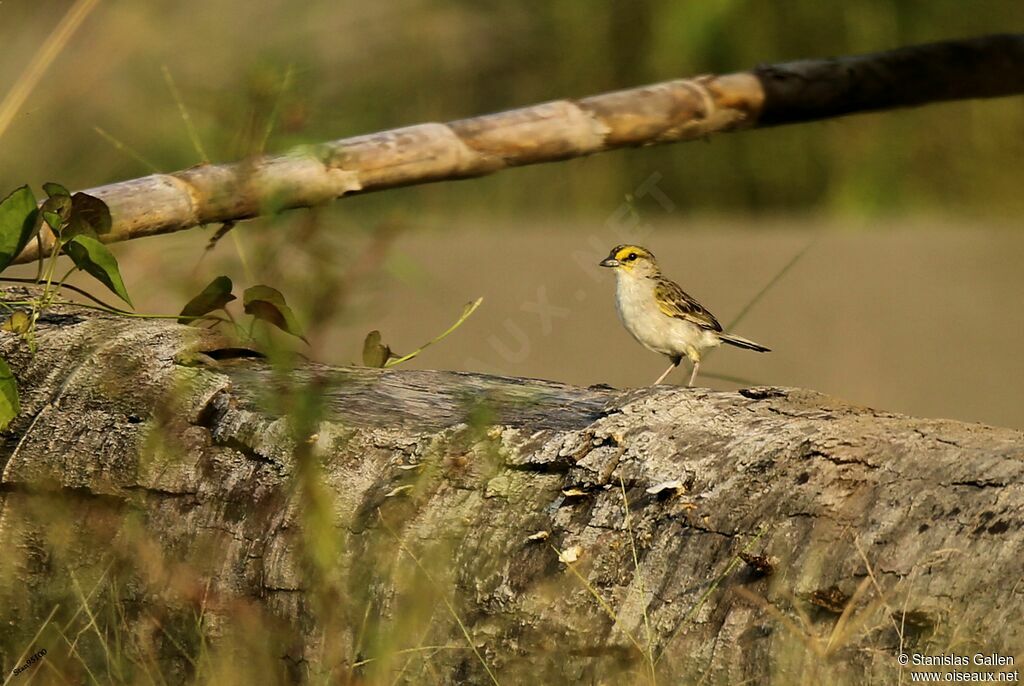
609	262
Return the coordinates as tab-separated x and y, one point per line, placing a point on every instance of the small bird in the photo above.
660	315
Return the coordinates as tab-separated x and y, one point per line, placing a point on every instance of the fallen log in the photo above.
210	513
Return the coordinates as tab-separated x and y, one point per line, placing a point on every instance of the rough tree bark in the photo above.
667	112
776	532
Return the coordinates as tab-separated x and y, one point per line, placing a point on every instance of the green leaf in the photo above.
19	322
266	303
375	354
9	404
92	257
55	189
17	223
214	297
56	211
58	204
90	216
53	219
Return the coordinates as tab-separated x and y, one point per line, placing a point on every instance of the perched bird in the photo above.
660	315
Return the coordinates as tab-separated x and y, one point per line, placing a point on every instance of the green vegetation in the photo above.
76	224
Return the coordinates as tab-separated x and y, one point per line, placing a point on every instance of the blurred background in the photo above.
907	225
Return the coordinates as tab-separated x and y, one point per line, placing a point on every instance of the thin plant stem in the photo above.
60	284
50	267
53	670
175	642
189	126
286	83
771	284
407	651
711	589
240	249
121	147
42	255
640	580
138	315
470	309
100	305
70	287
92	622
31	643
752	302
444	598
600	601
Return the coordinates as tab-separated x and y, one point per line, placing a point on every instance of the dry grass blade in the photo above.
95	587
48	51
409	651
750	305
736	560
185	117
83	599
243	258
73	652
24	653
878	588
408	661
849	620
53	671
121	147
444	598
174	641
903	625
286	83
771	284
809	640
640	580
601	601
73	644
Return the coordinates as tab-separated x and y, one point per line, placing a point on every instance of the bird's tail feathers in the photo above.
741	342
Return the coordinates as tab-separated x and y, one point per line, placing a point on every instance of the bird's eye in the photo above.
632	256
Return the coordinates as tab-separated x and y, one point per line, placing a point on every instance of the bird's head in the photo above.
631	260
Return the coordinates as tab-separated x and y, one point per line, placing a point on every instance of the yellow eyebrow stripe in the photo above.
623	252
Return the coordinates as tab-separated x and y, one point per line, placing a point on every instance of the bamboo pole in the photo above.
667	112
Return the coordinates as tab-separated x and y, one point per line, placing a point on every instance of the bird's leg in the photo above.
675	363
693	375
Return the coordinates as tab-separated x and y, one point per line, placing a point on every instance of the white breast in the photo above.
634	299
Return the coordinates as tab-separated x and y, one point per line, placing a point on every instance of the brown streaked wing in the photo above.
674	302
